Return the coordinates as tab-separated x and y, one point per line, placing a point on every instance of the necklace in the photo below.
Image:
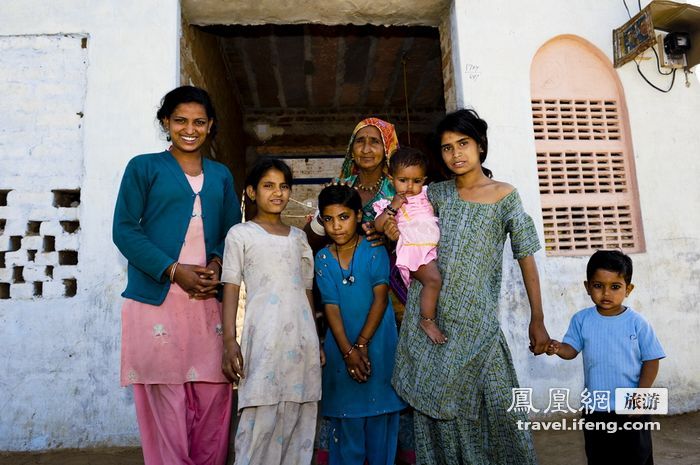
345	248
349	279
370	188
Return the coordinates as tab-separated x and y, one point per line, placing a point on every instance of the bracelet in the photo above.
347	354
360	346
392	210
218	261
172	271
425	318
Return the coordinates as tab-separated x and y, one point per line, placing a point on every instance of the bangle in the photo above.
425	318
347	354
218	261
392	210
172	271
360	346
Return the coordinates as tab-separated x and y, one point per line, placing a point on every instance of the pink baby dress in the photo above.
419	230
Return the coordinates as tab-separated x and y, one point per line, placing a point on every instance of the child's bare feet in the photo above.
431	329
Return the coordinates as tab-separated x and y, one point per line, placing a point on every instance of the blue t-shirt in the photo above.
613	347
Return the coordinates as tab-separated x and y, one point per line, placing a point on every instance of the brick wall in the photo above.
41	148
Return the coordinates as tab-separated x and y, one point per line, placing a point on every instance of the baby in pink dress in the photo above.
416	250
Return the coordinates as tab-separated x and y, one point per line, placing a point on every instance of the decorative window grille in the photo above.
584	157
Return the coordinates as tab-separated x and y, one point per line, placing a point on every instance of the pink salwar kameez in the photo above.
171	353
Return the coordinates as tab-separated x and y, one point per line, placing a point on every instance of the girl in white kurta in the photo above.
277	365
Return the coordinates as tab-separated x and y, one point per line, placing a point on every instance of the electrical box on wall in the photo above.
678	48
669	55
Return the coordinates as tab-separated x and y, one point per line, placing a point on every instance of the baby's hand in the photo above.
553	347
397	201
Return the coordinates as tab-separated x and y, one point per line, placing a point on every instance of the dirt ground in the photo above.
677	443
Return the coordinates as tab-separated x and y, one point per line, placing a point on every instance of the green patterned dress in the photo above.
462	390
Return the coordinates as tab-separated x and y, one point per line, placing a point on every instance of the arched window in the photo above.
585	162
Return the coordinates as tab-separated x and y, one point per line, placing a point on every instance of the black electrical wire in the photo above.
624	2
673	79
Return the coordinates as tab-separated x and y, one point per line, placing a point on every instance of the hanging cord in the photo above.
405	97
673	79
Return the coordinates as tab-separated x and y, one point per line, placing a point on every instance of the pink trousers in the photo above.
184	424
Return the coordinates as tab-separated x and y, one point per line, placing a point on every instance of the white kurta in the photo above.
279	341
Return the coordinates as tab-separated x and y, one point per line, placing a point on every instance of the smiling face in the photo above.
459	152
188	127
340	223
409	180
271	195
608	290
368	149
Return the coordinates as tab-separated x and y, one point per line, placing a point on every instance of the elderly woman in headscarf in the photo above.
372	144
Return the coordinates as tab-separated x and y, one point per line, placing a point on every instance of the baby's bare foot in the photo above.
431	329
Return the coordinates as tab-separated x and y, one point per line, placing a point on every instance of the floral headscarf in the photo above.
389	140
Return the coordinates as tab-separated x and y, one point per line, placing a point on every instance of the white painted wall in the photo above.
59	368
497	41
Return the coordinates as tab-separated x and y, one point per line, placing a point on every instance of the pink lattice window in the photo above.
585	165
581	119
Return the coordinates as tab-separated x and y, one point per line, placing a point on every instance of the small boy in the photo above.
620	350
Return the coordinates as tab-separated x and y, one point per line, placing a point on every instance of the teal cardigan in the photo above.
153	212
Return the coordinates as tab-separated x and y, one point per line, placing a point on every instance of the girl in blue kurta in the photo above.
353	279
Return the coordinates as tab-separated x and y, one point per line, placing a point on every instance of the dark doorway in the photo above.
297	91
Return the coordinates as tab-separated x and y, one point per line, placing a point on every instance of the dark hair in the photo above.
186	94
467	122
262	166
339	194
405	157
610	260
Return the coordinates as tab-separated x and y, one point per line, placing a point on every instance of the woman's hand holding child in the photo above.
374	237
539	337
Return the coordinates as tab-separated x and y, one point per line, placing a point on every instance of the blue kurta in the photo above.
342	396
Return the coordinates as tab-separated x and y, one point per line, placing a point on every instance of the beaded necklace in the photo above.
372	188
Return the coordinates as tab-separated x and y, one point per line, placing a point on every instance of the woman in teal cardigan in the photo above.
173	211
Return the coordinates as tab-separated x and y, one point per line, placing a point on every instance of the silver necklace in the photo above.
347	280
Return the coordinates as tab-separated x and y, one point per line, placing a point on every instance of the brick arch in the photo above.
585	160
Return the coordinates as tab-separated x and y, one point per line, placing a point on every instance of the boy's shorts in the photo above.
629	447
